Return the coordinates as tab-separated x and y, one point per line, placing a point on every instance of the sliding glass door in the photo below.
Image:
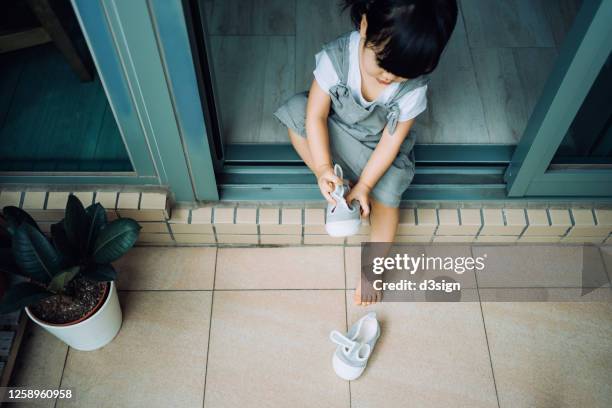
107	96
66	113
54	113
251	56
183	91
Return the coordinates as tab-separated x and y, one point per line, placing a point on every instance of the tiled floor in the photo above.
248	327
483	91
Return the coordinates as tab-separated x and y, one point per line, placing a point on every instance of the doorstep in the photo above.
267	224
249	224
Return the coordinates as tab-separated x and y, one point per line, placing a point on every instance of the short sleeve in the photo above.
412	103
324	72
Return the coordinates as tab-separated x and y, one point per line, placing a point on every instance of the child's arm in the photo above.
317	111
385	152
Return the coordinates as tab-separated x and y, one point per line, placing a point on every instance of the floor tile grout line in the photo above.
278	289
228	290
605	265
350	395
62	376
346	314
163	290
484	326
349	289
345	278
210	319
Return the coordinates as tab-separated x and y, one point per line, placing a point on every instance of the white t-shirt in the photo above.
411	103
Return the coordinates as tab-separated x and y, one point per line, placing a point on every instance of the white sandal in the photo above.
342	219
354	348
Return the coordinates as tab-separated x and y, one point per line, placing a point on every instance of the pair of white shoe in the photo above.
355	347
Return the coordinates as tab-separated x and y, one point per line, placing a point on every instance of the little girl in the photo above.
369	85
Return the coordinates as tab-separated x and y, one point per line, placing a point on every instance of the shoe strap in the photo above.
338	193
340	189
338	171
353	347
341	340
367	349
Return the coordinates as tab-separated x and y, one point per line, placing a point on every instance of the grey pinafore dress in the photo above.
354	130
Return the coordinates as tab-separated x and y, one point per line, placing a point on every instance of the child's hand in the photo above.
361	193
328	181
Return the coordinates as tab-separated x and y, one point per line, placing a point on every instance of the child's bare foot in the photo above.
369	295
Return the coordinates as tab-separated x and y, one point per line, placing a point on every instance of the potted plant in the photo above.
67	283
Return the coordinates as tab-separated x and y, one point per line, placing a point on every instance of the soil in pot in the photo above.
81	297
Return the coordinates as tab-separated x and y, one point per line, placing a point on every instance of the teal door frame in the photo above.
159	90
582	55
178	63
139	73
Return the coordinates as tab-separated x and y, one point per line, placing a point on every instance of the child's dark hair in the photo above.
408	36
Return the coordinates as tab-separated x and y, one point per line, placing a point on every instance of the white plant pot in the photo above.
92	333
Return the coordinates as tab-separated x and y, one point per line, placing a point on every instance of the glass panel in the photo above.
263	53
54	115
588	142
514	46
482	92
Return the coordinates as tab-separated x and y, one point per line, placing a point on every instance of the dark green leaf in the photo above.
76	223
59	281
5	236
97	219
101	273
7	262
15	216
115	239
21	295
68	252
34	254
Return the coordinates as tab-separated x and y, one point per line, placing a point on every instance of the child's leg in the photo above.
300	144
383	219
383	222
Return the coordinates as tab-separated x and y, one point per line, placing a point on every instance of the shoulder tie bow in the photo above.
392	117
337	93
